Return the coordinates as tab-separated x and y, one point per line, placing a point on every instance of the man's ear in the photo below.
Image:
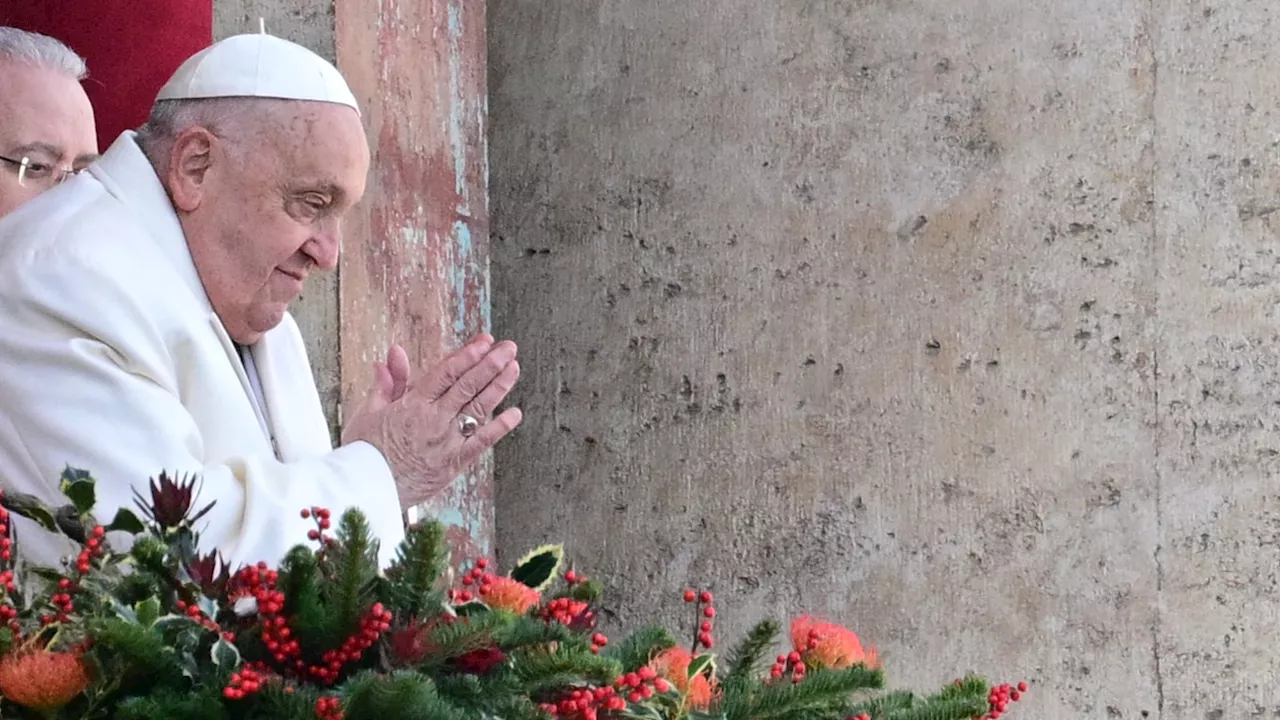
189	163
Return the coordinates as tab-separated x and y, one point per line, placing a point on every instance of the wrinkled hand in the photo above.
416	423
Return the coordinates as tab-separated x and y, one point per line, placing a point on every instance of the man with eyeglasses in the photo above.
46	122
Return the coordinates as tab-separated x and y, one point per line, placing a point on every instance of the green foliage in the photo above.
420	561
167	704
823	692
350	567
640	647
748	657
167	637
139	655
400	695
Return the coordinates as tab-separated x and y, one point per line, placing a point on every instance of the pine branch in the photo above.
948	709
639	647
273	702
747	657
882	706
536	666
448	641
353	564
402	695
140	655
168	704
420	561
300	582
524	631
821	691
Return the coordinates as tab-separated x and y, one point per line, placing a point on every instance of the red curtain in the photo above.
131	46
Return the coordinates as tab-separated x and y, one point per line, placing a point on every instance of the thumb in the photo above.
398	371
380	393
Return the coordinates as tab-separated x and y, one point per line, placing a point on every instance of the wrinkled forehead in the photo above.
318	143
44	115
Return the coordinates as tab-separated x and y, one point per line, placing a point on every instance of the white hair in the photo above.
220	116
41	51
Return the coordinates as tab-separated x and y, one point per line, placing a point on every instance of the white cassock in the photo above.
112	360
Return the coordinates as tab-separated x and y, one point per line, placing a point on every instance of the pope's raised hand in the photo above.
431	427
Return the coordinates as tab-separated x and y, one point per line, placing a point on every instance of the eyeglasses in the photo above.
38	172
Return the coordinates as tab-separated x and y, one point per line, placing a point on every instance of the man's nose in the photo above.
323	247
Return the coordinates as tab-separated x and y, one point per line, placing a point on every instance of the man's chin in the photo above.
262	321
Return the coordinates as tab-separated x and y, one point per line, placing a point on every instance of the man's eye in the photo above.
38	171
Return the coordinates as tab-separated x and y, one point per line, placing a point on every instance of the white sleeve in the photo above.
86	380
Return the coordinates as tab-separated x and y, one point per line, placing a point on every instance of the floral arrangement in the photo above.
161	631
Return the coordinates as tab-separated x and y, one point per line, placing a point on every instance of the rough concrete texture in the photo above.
954	322
310	24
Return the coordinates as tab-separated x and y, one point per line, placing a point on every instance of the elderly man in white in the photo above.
144	323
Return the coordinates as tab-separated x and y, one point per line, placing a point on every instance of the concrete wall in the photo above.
308	23
954	322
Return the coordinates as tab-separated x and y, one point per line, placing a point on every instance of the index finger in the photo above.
437	381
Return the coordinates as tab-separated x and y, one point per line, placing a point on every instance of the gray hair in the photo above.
41	51
223	117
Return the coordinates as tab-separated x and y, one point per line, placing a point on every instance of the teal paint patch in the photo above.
461	270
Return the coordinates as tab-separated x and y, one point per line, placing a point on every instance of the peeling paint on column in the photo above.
416	263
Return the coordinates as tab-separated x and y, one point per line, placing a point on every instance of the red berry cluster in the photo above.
790	662
375	622
260	583
641	684
329	708
322	523
93	550
475	577
248	681
195	613
62	601
598	641
703	601
571	613
585	704
8	612
863	716
573	577
6	542
999	698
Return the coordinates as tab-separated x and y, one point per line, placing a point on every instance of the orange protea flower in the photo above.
828	645
504	593
42	680
673	665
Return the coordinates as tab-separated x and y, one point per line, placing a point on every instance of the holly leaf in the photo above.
124	612
224	654
126	521
539	567
147	611
474	607
77	485
72	475
701	663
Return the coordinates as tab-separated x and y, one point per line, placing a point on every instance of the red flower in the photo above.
673	665
42	680
170	501
505	593
479	662
824	644
210	574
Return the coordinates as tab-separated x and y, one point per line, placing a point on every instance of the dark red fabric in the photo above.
131	46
